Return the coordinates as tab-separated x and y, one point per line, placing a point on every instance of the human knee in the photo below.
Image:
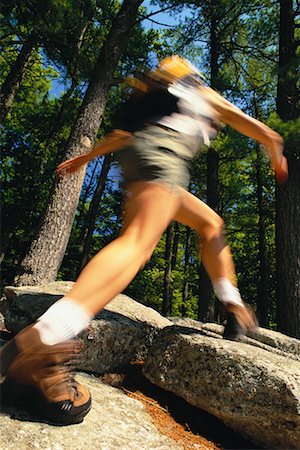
148	252
214	228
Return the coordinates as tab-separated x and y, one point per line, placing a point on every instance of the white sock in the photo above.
226	292
62	321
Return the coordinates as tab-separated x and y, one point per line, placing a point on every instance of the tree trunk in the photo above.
13	80
45	255
287	92
168	288
5	242
288	195
175	245
262	287
206	306
93	211
185	287
80	219
11	221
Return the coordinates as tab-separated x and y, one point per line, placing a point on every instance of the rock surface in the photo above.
122	333
115	422
21	306
266	339
254	391
253	386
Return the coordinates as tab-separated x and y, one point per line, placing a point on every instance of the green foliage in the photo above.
70	36
288	129
28	161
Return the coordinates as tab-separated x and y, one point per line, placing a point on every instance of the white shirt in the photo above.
194	117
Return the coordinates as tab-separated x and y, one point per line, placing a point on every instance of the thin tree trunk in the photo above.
63	111
287	92
14	79
80	220
175	245
89	188
262	286
168	288
171	265
185	287
93	211
5	243
206	307
288	195
45	255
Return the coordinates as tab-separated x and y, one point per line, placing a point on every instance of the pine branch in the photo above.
147	16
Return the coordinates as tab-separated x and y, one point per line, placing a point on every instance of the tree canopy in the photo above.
60	58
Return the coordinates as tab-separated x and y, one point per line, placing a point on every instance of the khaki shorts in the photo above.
157	154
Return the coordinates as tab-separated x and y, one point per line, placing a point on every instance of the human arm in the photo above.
237	119
113	142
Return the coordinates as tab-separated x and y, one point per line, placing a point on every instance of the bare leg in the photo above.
215	253
149	208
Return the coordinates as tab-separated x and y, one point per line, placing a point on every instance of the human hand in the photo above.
278	162
71	165
281	170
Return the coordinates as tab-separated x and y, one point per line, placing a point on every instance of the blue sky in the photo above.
158	21
162	18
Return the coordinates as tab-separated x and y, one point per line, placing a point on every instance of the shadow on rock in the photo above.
17	403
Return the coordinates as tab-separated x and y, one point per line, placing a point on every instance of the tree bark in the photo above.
288	195
287	92
93	211
262	287
14	79
72	69
206	307
185	287
45	255
80	219
168	288
175	245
